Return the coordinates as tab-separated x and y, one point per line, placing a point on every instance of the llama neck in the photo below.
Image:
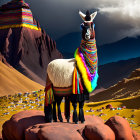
87	63
88	53
90	44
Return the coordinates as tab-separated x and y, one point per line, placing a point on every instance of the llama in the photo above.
73	78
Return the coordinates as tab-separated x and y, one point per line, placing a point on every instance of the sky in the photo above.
116	19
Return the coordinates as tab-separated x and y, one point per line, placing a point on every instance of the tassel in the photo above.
77	87
80	85
73	83
49	98
78	90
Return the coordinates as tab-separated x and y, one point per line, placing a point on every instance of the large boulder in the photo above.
62	130
30	125
121	128
58	132
99	132
14	128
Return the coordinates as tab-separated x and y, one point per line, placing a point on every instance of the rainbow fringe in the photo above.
21	25
87	61
49	98
77	86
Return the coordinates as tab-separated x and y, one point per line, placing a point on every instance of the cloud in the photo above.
124	19
116	19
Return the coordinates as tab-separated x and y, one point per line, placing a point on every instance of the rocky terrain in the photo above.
31	125
27	50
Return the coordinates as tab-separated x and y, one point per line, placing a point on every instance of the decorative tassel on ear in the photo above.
49	98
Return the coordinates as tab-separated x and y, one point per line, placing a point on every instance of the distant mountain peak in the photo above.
17	14
23	44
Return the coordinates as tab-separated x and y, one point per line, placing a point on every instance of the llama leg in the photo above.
48	105
81	112
75	118
67	108
59	99
48	113
54	112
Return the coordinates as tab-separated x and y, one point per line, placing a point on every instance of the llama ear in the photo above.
82	15
93	15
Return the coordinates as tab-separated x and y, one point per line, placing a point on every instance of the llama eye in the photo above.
81	26
88	30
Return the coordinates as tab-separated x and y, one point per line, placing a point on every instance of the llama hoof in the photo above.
82	122
68	120
48	121
61	120
54	120
76	122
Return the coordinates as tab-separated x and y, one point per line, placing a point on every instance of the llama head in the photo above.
88	26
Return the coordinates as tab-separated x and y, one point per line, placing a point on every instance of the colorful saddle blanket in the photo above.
65	91
87	63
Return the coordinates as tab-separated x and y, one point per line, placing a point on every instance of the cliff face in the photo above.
23	44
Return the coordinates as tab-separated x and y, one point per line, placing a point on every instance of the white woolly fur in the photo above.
60	72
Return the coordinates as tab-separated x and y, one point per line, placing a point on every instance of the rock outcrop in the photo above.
30	125
3	60
98	131
23	44
121	128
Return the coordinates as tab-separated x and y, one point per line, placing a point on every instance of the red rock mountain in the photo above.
23	44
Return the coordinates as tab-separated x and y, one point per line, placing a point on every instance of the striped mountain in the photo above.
23	44
16	14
